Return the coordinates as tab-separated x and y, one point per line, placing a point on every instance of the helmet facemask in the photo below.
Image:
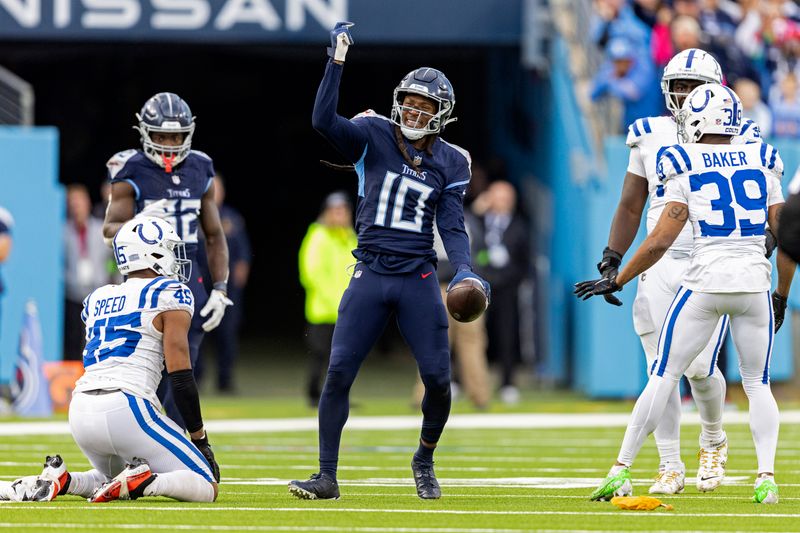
164	155
436	122
689	65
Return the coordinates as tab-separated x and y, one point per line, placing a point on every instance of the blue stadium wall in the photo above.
29	189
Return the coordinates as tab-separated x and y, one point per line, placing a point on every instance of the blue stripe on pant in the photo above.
670	327
202	468
363	313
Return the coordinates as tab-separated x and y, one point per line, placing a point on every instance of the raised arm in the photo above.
349	138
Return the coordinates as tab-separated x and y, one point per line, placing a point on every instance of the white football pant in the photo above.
111	428
655	293
690	324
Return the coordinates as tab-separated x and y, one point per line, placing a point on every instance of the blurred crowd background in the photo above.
757	44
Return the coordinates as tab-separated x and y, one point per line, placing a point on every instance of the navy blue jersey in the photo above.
397	205
184	188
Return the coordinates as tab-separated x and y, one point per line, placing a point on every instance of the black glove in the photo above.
596	287
770	242
608	268
208	453
778	309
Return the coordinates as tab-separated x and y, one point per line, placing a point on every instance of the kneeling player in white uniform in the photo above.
729	193
132	331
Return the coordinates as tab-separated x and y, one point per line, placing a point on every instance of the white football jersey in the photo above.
728	189
647	139
123	348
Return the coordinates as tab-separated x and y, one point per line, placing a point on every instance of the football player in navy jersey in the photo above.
169	180
407	175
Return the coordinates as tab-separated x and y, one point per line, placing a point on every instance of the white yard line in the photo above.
332	528
344	528
8	507
393	423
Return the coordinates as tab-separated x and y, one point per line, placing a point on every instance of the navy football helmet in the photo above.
165	112
432	84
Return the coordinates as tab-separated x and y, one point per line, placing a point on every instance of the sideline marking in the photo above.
344	528
24	506
393	423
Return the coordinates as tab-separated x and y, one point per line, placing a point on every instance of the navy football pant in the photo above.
363	313
196	333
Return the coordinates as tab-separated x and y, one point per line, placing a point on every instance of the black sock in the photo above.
66	485
423	455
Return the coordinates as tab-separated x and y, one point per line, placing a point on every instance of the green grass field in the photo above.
494	480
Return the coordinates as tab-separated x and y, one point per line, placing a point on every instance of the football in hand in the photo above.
467	300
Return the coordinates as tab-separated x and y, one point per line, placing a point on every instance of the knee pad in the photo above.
338	380
438	383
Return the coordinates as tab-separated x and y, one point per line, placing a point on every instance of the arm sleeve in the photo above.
771	161
635	163
675	190
349	138
171	295
774	191
187	399
450	223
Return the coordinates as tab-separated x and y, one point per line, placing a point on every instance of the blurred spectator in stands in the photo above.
325	255
647	11
6	224
752	106
686	33
467	339
661	39
504	261
85	265
226	335
615	18
718	23
631	78
784	102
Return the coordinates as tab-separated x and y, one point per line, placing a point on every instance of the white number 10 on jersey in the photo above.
399	203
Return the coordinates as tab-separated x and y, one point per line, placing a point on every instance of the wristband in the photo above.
221	286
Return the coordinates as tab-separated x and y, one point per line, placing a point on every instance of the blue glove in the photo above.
464	272
340	40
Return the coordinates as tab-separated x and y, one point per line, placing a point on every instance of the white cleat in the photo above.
669	482
711	471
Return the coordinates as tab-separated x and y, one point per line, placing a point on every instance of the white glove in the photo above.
156	209
340	41
217	302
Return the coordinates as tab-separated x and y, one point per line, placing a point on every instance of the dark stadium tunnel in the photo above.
253	105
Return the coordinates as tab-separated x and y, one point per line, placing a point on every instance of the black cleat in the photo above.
318	487
427	486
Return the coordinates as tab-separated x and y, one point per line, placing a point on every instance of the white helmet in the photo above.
691	64
149	242
709	108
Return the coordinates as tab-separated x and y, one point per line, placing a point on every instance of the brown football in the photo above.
467	300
